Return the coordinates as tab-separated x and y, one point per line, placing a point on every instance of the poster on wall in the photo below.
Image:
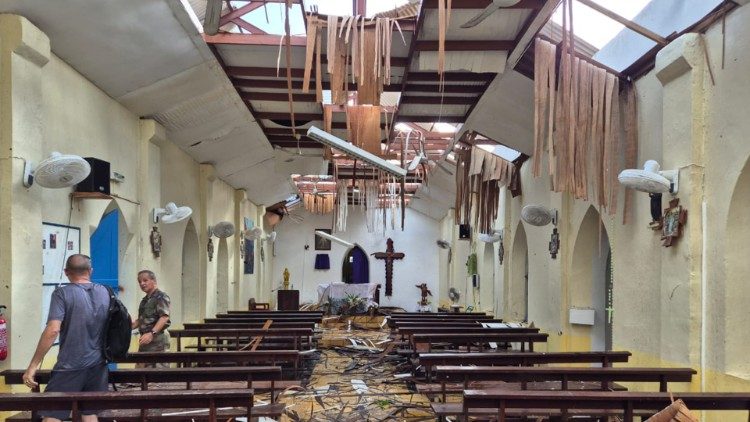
249	249
58	243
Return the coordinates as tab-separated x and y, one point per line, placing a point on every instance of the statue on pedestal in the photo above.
285	285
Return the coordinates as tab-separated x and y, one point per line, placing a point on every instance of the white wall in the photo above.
417	242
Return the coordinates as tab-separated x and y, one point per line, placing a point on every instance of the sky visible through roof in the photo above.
595	28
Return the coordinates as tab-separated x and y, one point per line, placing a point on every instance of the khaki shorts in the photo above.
160	343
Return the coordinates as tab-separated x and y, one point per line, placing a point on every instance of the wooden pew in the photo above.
260	378
267	312
429	360
297	335
407	332
394	321
603	377
230	324
140	400
398	314
469	339
263	318
235	358
628	404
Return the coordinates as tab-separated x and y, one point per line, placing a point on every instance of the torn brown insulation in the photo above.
631	141
288	42
369	84
318	67
585	150
363	126
312	36
338	77
318	203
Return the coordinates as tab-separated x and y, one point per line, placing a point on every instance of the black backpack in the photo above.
117	331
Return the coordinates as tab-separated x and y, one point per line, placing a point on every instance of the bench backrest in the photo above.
155	399
290	317
468	339
563	374
217	358
234	325
626	401
266	312
408	331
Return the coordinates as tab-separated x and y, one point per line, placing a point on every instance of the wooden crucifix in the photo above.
388	256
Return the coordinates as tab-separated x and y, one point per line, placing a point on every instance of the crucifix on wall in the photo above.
388	256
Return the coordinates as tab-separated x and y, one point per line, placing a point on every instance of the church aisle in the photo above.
355	384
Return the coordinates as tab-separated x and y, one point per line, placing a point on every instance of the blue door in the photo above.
104	251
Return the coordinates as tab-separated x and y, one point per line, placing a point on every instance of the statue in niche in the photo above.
155	238
210	249
554	243
285	286
242	248
500	251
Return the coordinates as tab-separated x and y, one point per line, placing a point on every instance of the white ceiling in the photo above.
148	55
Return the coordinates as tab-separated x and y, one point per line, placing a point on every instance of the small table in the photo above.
456	308
287	300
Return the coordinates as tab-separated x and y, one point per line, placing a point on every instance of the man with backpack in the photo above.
153	316
78	313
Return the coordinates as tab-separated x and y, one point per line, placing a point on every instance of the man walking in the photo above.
153	316
78	314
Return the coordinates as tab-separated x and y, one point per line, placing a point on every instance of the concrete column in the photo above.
681	69
240	198
24	51
208	275
149	191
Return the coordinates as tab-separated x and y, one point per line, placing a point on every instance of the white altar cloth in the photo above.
338	290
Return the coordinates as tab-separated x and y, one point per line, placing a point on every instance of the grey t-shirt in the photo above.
83	310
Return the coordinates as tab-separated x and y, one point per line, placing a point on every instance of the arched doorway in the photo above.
590	281
487	278
105	251
737	295
356	266
190	275
222	277
517	308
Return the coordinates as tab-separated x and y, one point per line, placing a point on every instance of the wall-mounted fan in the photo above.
538	215
56	171
221	230
257	233
444	244
495	236
650	179
490	9
171	213
454	295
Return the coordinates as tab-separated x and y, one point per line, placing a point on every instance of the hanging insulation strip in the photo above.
342	208
631	141
544	100
317	203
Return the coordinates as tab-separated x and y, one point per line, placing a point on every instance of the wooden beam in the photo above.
540	19
653	36
247	26
240	11
293	144
472	45
287	116
481	4
253	39
212	17
281	84
245	71
449	89
429	119
415	99
450	77
277	97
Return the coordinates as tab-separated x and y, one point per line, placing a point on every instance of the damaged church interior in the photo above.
375	210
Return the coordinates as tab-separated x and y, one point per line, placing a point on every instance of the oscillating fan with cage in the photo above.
538	215
454	295
257	233
495	236
222	230
56	171
171	213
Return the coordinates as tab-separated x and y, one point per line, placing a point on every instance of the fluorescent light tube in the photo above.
334	142
332	238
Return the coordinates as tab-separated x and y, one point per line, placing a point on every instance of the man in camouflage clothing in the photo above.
153	316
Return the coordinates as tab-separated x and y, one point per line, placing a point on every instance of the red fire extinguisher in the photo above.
3	335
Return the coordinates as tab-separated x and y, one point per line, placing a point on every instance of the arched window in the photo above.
356	267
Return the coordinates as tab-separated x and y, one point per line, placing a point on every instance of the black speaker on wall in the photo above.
464	231
98	179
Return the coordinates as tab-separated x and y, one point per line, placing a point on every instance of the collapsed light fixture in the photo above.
333	238
335	142
651	179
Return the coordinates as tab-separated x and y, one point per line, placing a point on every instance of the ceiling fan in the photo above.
490	9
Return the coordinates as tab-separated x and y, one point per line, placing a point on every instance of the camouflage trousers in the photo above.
160	343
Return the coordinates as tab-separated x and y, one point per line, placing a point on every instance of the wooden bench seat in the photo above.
437	389
222	358
273	411
627	404
296	334
443	410
429	360
470	339
141	401
242	325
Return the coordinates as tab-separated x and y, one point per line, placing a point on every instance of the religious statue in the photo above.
242	248
425	292
285	286
210	249
155	242
554	243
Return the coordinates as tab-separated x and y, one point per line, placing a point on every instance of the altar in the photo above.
336	293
